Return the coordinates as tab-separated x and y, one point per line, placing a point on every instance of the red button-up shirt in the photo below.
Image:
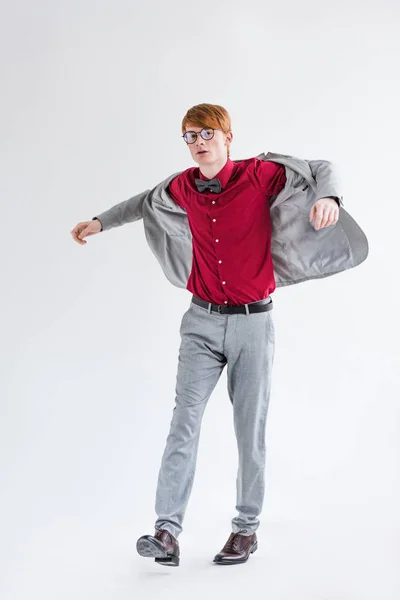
231	230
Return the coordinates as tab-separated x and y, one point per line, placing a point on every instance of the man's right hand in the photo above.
84	229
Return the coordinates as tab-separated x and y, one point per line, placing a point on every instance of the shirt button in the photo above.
213	202
217	240
214	220
226	302
220	261
223	282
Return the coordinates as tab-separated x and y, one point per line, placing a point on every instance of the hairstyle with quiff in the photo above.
208	115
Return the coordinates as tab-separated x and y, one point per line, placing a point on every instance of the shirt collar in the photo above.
223	174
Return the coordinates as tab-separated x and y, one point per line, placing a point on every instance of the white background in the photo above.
92	99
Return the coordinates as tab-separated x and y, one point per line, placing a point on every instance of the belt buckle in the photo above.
219	307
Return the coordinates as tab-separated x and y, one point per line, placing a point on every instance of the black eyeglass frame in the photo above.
197	133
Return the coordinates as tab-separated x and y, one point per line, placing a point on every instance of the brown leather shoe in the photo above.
237	549
163	546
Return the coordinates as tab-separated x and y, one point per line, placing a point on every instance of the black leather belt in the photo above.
253	307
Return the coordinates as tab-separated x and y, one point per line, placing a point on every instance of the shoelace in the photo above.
232	543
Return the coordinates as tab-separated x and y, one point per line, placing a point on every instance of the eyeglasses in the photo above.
207	133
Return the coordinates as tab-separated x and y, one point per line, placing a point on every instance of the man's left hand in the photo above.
325	211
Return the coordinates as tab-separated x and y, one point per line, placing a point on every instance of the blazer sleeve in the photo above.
327	180
124	212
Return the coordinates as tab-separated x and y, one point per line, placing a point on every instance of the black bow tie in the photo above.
213	184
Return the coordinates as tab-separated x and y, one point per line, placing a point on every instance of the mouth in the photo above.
203	152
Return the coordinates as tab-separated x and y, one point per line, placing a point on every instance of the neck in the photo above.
210	171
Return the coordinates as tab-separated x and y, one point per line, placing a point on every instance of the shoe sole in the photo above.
237	561
151	549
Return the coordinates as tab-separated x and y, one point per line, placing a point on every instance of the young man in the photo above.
227	205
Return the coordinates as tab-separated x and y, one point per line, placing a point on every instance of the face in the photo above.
206	152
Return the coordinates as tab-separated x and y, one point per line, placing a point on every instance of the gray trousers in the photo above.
209	341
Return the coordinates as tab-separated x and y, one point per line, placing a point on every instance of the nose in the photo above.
200	145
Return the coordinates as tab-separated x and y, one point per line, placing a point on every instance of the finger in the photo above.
324	220
76	229
75	234
84	233
331	220
318	220
79	241
332	217
326	214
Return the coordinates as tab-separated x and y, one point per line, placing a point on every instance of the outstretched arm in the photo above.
124	212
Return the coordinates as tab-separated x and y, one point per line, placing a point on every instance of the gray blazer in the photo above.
299	252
